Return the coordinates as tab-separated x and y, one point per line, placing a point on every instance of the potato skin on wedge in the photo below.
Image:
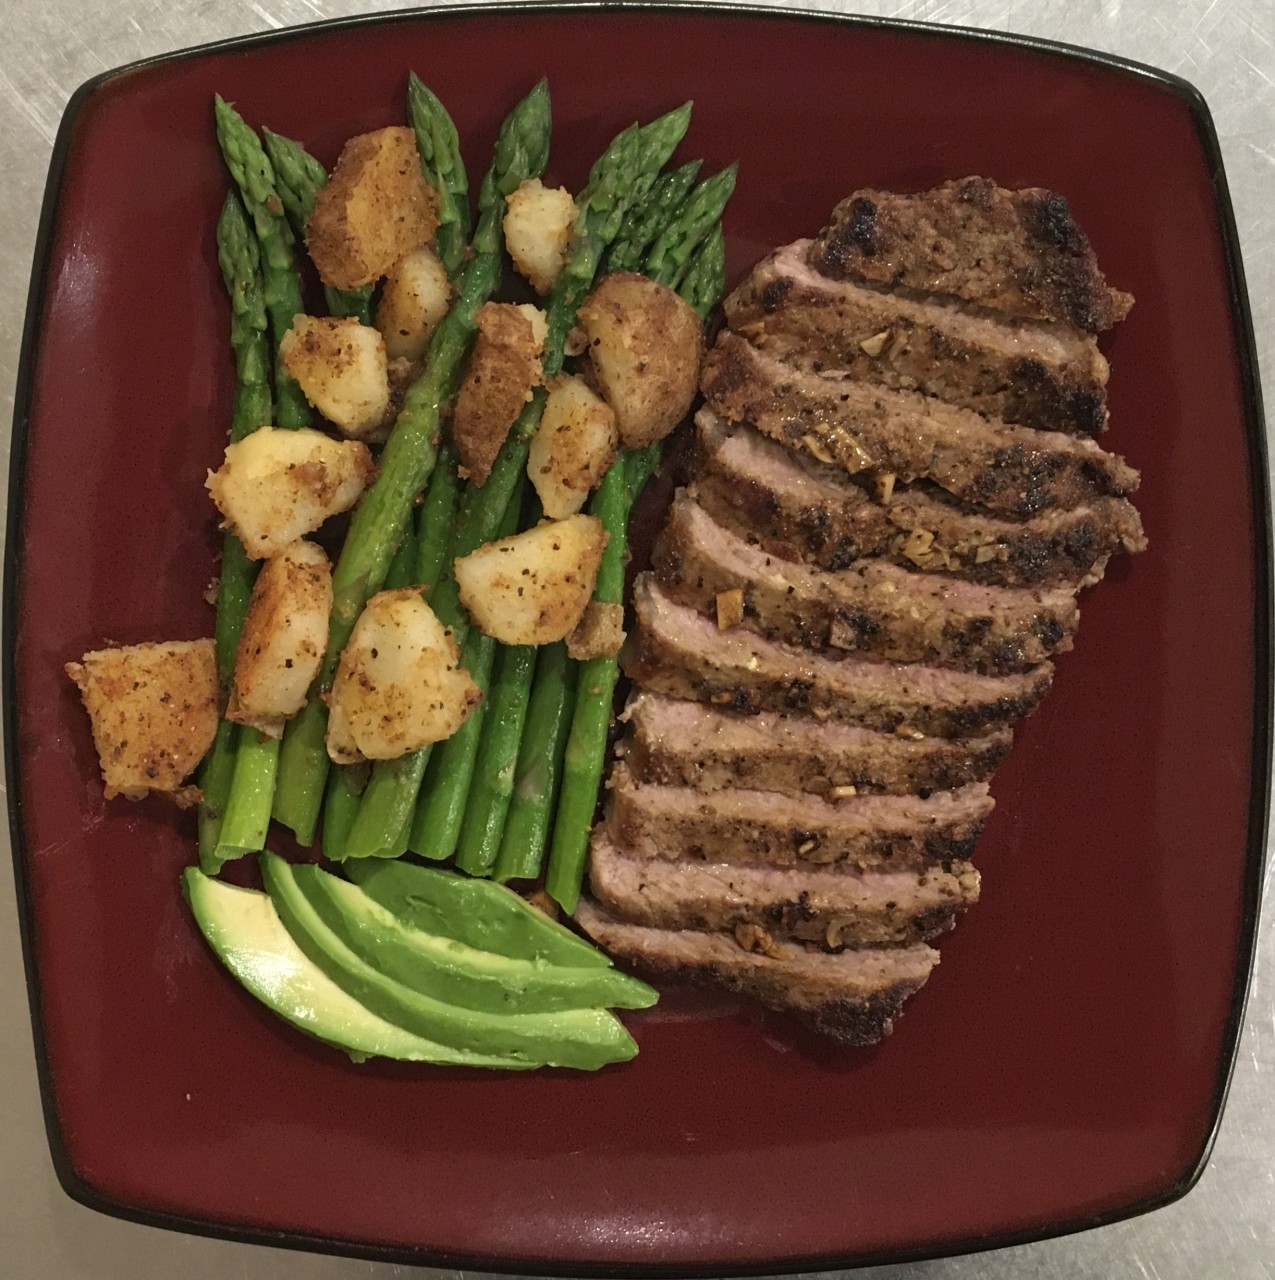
534	587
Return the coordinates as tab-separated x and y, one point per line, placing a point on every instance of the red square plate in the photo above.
1065	1066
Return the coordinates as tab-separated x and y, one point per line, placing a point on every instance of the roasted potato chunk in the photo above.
533	588
341	367
414	299
504	366
376	209
599	634
284	635
153	709
538	225
276	486
574	445
399	684
645	345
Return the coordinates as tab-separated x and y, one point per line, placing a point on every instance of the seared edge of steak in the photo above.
1024	371
680	743
1011	470
1020	252
851	996
801	509
872	608
677	651
771	827
829	909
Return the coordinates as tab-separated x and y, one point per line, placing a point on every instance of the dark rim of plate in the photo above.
1260	782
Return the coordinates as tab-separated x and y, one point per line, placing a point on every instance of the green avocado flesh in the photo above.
244	930
479	913
582	1038
453	972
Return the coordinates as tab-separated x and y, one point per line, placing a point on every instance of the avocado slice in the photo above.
584	1038
244	930
453	972
480	913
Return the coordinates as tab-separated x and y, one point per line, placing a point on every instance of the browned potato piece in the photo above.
503	367
341	367
284	635
414	299
645	346
599	634
574	445
153	709
375	210
399	684
276	486
538	225
534	587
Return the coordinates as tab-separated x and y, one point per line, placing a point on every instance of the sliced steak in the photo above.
806	510
1019	252
688	744
873	608
777	829
852	996
832	910
677	651
1041	375
1009	470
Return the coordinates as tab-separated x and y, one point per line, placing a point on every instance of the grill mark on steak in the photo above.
739	825
677	651
852	996
872	608
1011	471
1031	372
801	509
1019	252
831	910
687	744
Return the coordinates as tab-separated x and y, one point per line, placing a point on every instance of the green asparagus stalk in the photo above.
702	211
585	756
409	456
299	178
253	173
439	147
644	222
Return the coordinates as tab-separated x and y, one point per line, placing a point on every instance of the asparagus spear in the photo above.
409	456
585	756
702	211
240	261
644	222
299	178
252	171
439	147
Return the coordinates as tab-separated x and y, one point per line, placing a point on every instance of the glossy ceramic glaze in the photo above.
1067	1061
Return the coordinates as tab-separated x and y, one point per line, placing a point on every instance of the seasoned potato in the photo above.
645	345
276	486
341	367
538	226
503	367
599	634
539	323
574	444
414	299
376	209
153	708
399	684
533	588
284	635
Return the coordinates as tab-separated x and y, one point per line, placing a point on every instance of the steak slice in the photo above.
872	608
801	509
780	830
852	996
1014	251
677	651
688	744
1010	470
1041	375
830	909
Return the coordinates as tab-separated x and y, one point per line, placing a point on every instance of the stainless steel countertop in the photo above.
1226	1226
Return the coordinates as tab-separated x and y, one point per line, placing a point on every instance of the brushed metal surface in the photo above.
1226	1227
